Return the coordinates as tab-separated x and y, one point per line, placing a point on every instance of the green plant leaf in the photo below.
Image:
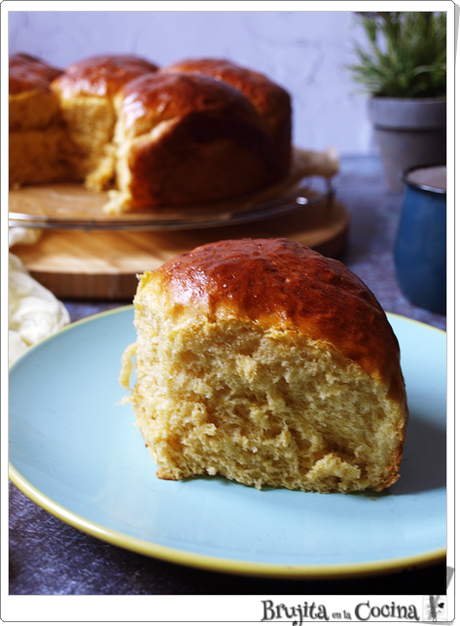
405	56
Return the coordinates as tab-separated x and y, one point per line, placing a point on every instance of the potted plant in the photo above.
403	70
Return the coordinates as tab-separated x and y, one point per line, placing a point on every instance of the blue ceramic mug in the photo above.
420	249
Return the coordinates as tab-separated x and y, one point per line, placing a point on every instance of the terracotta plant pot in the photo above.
408	132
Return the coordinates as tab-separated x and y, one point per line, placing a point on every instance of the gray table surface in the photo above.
48	557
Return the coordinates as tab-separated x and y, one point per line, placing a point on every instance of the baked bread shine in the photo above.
269	364
271	101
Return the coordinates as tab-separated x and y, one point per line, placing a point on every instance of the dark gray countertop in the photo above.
49	557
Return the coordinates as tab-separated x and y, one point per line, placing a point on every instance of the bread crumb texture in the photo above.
260	400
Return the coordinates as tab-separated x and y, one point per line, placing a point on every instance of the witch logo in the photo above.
435	608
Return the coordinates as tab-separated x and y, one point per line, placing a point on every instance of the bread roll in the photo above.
37	138
32	105
85	91
269	364
184	140
271	101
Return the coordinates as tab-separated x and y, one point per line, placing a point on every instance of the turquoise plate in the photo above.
76	452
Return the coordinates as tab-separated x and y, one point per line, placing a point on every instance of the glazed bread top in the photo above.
283	285
155	98
28	73
101	75
270	99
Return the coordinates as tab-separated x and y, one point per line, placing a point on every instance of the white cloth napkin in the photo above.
34	312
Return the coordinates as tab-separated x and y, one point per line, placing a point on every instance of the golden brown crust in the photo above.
29	73
101	75
282	284
266	96
200	140
155	98
272	102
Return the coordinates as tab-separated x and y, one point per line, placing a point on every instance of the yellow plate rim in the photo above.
228	566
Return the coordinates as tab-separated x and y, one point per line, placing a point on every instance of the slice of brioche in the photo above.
269	364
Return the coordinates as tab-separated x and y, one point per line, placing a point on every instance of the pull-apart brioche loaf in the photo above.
197	132
269	364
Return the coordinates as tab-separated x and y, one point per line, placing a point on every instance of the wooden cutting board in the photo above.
103	265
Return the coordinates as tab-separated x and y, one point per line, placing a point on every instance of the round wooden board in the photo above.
103	265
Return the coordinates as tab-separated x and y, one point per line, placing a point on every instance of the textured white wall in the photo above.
305	51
